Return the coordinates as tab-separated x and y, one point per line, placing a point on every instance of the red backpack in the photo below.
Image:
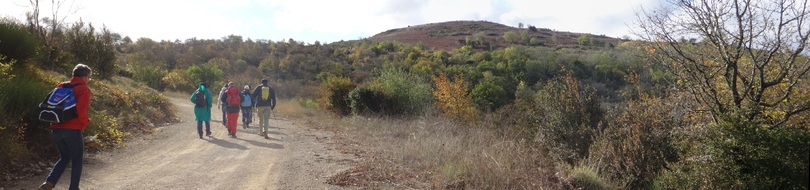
233	97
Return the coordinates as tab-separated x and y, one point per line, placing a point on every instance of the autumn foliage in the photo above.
453	99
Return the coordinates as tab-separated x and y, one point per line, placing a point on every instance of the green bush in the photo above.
19	126
179	80
155	106
5	69
742	155
334	94
107	95
568	117
369	100
103	126
22	93
16	42
208	73
489	96
410	94
587	178
152	76
308	103
94	48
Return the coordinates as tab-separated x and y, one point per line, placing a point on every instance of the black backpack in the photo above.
199	99
59	106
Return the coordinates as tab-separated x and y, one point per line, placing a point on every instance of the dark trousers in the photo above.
247	114
70	144
207	128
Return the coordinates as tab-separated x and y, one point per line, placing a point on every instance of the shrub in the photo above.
567	118
103	126
19	126
367	100
208	73
179	80
453	99
511	37
586	178
637	143
410	94
12	144
5	69
96	49
335	94
734	154
22	93
155	107
152	76
16	42
489	96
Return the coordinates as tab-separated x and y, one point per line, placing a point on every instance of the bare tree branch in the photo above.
752	56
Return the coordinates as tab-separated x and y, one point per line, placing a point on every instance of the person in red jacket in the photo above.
232	105
68	135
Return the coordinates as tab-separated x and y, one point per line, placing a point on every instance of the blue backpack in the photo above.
246	101
59	106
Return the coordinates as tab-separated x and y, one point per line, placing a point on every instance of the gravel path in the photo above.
295	157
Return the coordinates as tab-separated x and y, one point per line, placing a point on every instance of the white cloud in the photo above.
328	20
342	17
161	20
588	16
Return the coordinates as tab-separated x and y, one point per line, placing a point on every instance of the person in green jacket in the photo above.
202	109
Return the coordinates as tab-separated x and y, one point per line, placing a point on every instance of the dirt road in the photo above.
295	157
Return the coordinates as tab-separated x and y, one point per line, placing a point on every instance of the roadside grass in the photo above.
431	152
186	95
584	177
296	108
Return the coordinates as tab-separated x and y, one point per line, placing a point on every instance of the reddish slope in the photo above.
453	34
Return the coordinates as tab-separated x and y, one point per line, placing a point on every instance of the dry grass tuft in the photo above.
436	153
296	108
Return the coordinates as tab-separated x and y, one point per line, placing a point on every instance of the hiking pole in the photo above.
273	112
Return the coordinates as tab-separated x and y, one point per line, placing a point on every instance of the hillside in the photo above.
454	34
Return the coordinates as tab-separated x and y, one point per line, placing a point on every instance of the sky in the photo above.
330	20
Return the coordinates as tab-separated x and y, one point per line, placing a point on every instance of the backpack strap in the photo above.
68	85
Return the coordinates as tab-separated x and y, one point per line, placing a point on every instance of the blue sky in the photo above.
333	20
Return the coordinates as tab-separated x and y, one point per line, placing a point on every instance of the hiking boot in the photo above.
46	186
208	134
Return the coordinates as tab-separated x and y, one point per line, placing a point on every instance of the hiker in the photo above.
68	135
265	103
202	100
247	107
221	105
232	104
